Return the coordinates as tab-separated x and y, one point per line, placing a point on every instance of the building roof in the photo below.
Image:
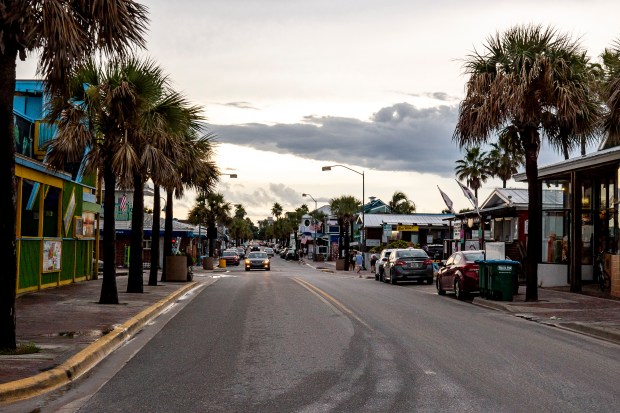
517	197
594	159
377	220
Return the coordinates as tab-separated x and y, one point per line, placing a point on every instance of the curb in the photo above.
87	358
608	334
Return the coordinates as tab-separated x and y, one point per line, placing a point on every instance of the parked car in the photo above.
435	251
291	254
383	257
459	274
406	265
231	257
241	252
257	260
269	252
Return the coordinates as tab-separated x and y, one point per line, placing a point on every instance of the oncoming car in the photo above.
258	260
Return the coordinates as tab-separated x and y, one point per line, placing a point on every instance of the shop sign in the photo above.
411	228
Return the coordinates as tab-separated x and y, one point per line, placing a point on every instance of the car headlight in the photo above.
266	262
247	262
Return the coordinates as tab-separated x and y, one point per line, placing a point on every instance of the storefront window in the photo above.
607	217
30	209
556	221
51	208
587	223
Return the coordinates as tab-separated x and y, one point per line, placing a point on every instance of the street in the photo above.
295	339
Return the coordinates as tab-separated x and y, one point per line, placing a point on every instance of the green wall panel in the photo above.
68	253
82	263
29	263
49	278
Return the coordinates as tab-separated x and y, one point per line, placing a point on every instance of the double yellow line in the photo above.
331	301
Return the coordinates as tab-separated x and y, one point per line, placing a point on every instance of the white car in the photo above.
383	257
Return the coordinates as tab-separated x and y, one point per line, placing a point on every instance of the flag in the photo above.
469	195
446	199
123	203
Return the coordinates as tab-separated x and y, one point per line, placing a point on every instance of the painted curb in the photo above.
87	358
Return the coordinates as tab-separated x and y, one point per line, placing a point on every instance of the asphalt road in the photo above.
298	340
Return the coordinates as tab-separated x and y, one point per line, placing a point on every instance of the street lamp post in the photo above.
314	222
362	233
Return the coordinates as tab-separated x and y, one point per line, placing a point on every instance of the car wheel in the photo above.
269	268
458	291
429	281
392	278
440	290
376	277
247	269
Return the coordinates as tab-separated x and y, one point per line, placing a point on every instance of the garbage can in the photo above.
483	278
501	278
222	263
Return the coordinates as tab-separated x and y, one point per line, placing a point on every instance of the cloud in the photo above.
400	137
240	105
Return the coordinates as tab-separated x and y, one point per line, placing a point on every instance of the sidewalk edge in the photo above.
87	358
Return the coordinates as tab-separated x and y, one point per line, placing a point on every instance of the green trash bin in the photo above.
501	276
483	278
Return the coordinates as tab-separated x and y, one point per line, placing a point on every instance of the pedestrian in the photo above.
373	262
359	261
351	260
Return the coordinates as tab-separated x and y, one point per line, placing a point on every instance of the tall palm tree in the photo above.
610	92
193	156
401	204
344	208
539	82
210	209
64	36
505	157
276	210
473	169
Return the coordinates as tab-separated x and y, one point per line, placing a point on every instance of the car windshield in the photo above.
412	254
473	256
257	255
268	249
229	253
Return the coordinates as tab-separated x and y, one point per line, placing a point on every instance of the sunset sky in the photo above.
289	86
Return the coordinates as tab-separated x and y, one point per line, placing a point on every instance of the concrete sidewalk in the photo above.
74	332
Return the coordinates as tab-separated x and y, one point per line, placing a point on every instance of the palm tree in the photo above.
473	169
209	210
505	157
64	36
344	208
610	89
401	204
538	81
276	210
193	156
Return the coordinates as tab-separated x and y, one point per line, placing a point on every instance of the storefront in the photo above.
579	217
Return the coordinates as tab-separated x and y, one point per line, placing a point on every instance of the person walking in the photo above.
373	263
359	261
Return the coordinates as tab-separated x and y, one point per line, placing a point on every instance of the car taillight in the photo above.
428	262
399	262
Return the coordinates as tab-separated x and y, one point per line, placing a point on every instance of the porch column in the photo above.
574	268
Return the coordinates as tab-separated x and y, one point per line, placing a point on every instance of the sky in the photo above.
289	86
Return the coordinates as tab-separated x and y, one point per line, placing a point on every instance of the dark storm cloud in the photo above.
400	137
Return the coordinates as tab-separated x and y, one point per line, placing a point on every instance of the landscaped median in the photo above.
86	358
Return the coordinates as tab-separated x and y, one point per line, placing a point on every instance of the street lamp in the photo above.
314	222
362	235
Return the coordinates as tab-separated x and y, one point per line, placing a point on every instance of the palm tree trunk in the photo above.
135	280
8	253
531	146
347	245
109	292
167	231
155	237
